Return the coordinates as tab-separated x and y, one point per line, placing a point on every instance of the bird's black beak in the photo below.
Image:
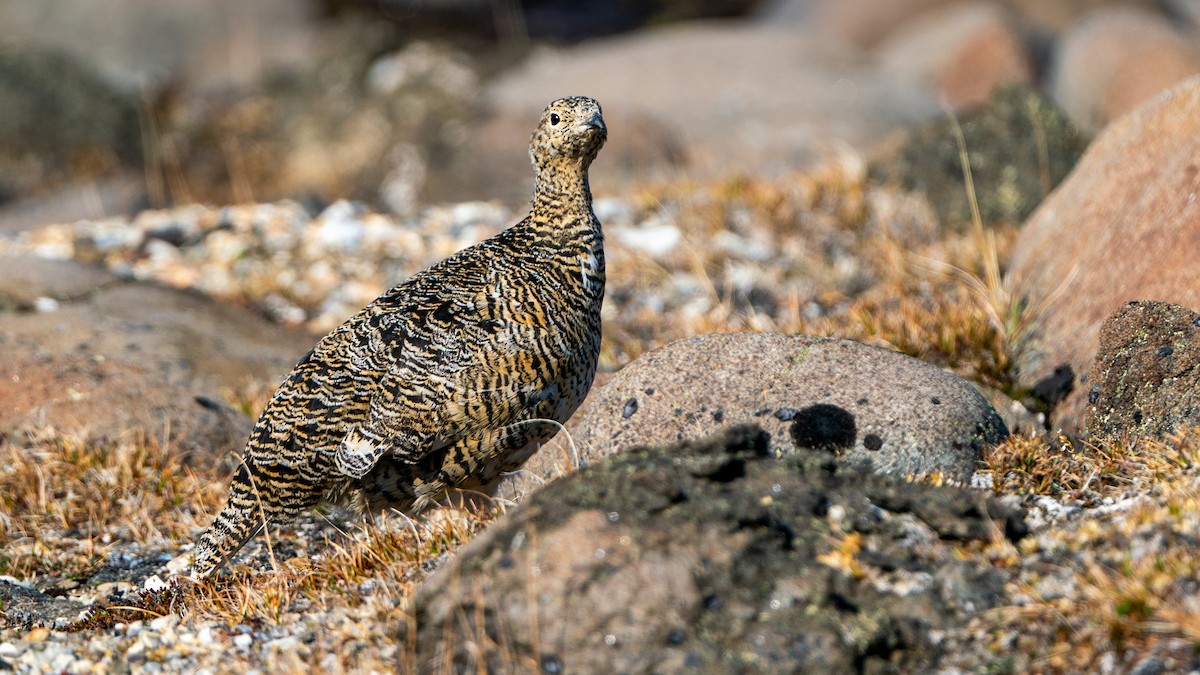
596	122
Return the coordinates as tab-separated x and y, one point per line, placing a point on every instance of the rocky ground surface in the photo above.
717	556
138	343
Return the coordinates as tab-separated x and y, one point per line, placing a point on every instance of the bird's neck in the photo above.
561	190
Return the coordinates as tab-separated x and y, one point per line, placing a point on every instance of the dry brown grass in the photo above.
66	502
1085	470
377	565
1112	582
839	257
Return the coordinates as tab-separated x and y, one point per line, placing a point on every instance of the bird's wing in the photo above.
422	370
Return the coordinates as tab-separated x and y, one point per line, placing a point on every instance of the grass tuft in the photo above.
1091	471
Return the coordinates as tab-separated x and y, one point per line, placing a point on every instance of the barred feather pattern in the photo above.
445	381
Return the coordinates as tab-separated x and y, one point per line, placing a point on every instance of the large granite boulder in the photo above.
871	407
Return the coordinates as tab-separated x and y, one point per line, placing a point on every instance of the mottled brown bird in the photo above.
440	382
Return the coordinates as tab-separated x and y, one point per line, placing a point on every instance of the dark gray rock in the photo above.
1020	146
719	557
1146	379
27	606
872	407
57	117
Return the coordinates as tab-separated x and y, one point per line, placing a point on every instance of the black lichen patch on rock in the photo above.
825	427
716	555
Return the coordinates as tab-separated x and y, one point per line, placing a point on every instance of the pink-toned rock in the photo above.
1054	18
1115	59
964	51
1125	225
862	23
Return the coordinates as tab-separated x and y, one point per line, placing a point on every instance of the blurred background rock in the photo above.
114	107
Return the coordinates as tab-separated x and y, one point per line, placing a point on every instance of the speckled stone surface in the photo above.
871	407
1146	379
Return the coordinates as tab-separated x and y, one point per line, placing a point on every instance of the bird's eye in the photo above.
554	119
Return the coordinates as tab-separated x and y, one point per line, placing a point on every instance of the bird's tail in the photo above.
256	498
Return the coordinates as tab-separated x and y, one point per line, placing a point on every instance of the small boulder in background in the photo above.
1115	59
60	122
966	52
1020	145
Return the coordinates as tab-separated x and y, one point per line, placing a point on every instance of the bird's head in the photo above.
571	130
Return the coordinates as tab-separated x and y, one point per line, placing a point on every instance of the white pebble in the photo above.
341	229
613	212
154	583
179	563
243	641
283	644
163	623
653	237
475	214
62	662
741	247
983	480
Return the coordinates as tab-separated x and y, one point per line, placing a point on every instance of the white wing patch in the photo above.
588	265
358	453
